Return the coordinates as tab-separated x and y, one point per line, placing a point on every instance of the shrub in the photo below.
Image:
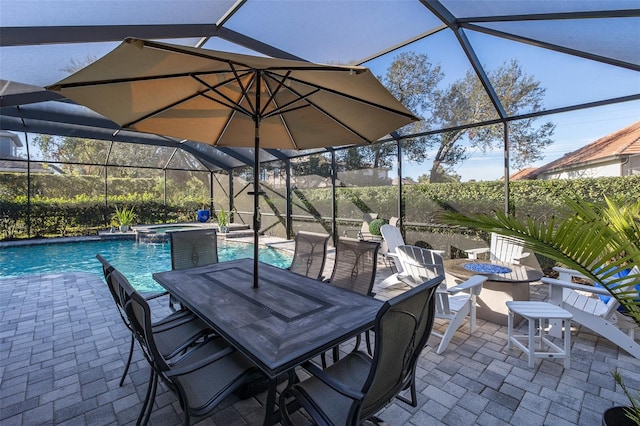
375	225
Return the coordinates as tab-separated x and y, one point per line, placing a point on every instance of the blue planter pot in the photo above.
203	215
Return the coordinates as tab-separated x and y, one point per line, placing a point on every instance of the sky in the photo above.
342	32
567	79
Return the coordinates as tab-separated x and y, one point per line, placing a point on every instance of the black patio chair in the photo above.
310	254
356	387
174	332
201	377
192	248
355	265
354	269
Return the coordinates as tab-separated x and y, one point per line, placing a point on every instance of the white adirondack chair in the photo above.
503	249
591	312
392	237
454	303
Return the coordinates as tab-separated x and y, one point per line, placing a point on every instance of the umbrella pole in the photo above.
256	205
256	183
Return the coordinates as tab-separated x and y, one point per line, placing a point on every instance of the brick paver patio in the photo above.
64	347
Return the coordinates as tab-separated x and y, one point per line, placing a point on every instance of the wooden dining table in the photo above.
287	320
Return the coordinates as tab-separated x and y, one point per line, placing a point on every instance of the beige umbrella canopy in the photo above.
234	100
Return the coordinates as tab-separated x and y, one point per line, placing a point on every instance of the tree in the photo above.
443	176
413	80
78	155
466	101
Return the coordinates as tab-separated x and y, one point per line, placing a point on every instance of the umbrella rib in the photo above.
165	108
272	99
245	90
224	129
58	87
178	102
232	104
354	98
335	119
272	94
282	109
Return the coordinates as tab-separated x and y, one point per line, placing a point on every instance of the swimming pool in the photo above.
136	261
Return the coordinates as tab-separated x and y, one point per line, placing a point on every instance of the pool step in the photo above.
237	234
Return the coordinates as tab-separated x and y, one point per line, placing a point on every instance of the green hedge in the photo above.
85	213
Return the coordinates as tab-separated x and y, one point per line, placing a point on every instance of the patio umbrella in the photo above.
234	100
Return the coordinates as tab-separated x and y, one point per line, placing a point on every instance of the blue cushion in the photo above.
605	297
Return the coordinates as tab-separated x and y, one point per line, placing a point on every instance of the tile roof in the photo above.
526	173
623	142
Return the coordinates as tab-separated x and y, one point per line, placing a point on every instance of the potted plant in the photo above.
598	241
204	214
223	220
623	416
124	217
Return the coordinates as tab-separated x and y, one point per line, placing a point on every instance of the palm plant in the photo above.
124	216
633	412
599	241
223	217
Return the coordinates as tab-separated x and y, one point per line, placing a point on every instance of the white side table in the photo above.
541	312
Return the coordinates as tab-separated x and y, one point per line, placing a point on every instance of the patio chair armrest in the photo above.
192	341
566	274
331	382
522	256
474	281
173	320
575	286
156	295
407	279
180	371
473	253
392	256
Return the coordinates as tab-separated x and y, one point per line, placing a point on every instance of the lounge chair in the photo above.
454	303
590	311
503	249
393	238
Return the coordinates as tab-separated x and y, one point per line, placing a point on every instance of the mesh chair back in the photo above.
402	328
107	268
193	248
310	254
355	265
139	314
117	292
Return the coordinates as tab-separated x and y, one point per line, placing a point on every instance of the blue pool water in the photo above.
137	261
